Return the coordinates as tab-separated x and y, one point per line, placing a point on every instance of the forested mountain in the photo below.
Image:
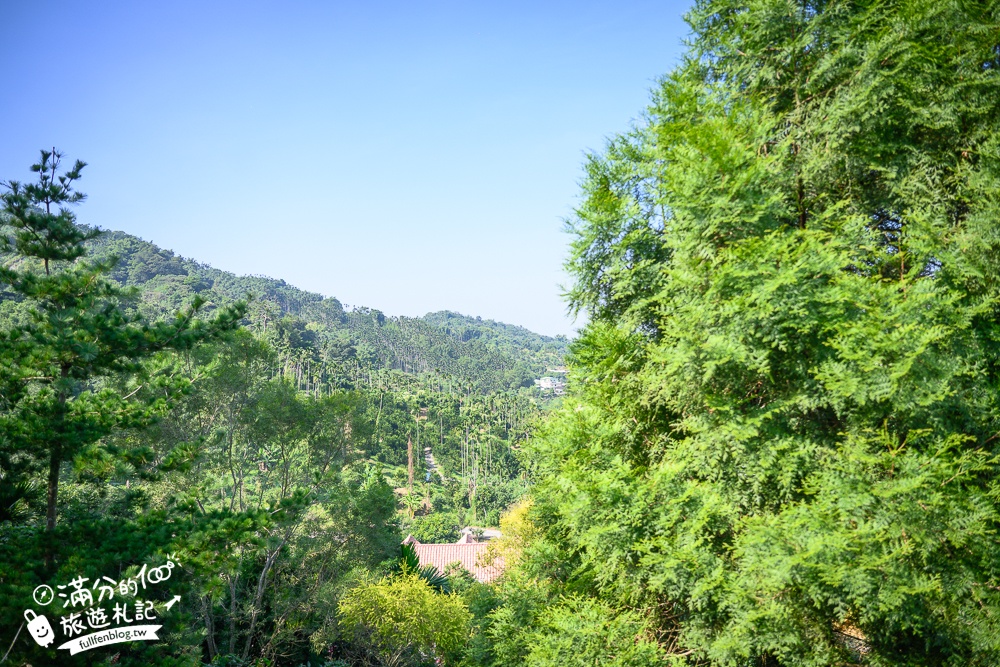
331	344
284	440
779	447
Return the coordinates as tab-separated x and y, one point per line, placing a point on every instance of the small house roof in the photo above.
468	556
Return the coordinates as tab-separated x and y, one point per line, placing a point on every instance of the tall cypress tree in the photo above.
784	438
55	369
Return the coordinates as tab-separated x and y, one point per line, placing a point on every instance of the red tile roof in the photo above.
467	555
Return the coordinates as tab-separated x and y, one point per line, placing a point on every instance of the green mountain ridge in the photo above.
481	355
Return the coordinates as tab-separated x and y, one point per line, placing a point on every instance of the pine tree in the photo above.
76	370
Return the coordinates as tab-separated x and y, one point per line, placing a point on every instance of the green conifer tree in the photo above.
784	438
55	370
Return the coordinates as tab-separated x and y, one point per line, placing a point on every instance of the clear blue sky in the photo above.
406	156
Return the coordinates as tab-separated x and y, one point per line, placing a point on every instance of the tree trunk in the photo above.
409	462
259	596
55	460
206	605
232	612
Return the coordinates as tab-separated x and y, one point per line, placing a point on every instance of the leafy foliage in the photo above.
436	527
782	445
582	632
405	621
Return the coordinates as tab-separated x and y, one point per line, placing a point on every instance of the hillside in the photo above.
480	355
